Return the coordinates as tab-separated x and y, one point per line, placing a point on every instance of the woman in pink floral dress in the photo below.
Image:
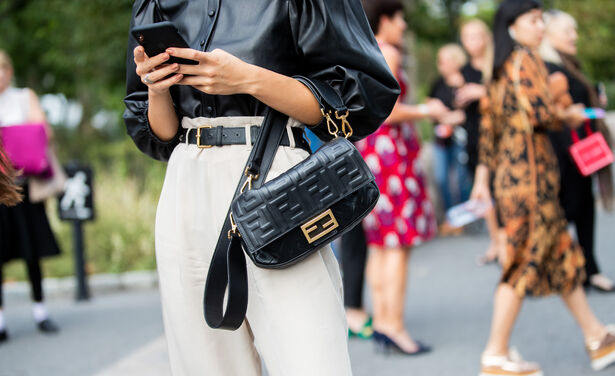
403	216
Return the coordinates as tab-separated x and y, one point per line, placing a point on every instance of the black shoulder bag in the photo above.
283	221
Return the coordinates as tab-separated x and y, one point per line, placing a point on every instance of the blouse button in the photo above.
210	109
211	13
202	42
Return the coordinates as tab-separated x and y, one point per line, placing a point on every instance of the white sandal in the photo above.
508	365
601	283
602	352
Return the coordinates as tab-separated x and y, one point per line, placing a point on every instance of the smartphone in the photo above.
157	37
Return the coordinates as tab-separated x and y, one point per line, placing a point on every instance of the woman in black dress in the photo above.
576	193
24	229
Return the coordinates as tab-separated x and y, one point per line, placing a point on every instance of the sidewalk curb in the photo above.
97	283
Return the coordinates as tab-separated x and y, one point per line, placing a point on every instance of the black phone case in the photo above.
157	37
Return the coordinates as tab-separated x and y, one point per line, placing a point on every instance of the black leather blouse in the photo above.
324	40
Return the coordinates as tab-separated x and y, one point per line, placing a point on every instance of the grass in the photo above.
121	238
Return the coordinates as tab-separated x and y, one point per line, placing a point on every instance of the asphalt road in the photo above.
449	307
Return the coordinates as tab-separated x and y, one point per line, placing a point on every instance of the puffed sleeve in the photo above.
337	47
136	100
533	96
487	137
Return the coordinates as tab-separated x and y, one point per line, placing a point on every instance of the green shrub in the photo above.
127	185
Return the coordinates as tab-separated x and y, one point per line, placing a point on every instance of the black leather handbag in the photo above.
281	222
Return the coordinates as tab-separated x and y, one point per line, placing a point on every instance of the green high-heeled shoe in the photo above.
366	332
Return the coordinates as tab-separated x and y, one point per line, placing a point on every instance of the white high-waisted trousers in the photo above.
295	319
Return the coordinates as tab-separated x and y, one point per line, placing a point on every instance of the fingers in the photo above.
195	70
188	53
193	81
139	54
166	83
148	64
161	73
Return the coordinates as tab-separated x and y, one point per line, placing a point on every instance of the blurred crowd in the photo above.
507	107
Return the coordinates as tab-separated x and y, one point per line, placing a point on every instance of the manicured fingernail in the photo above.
175	66
170	50
165	56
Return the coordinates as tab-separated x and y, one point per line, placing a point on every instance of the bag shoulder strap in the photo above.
228	264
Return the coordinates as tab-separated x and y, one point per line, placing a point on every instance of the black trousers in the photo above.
354	256
584	222
576	198
36	281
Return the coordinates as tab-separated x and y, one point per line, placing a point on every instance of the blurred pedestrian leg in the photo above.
354	257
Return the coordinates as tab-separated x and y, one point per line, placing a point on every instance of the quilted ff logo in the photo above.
319	226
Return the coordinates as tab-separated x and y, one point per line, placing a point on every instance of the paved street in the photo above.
449	307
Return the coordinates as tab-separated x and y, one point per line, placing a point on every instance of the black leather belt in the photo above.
210	136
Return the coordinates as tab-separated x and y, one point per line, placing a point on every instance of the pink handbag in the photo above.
591	153
26	148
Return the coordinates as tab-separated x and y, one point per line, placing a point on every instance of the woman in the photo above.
295	318
477	40
541	257
449	150
403	216
24	228
576	195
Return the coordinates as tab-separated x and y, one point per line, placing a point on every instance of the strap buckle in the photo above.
233	231
333	128
250	178
198	137
346	128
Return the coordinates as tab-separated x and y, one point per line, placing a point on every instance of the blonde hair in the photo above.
487	70
455	52
552	18
5	60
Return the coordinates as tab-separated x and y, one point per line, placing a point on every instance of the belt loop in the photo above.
218	135
248	130
291	136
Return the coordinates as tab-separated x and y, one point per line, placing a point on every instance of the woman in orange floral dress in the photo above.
541	257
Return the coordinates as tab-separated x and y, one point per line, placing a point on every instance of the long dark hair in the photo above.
374	9
9	192
506	15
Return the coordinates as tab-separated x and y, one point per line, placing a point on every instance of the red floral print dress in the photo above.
404	215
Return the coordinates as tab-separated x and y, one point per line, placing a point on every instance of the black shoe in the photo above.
386	343
4	336
48	326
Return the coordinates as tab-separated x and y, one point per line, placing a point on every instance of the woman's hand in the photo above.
436	109
469	93
453	118
154	70
218	72
480	190
481	193
574	116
